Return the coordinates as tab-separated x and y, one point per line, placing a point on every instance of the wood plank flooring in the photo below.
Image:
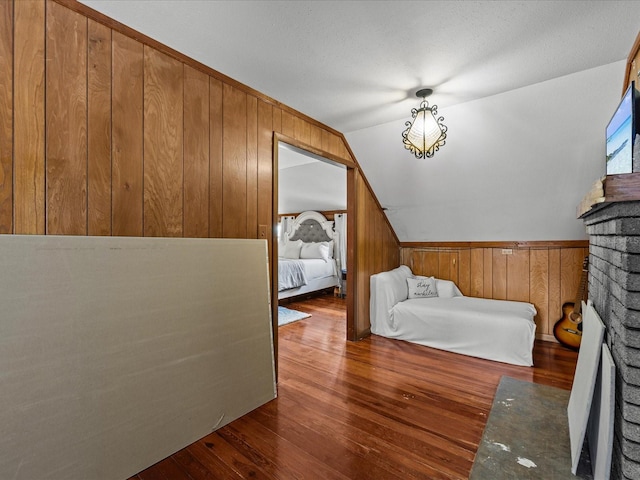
374	409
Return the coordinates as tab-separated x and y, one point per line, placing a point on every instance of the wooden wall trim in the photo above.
329	214
279	137
499	244
148	41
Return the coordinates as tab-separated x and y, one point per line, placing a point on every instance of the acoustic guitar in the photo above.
568	330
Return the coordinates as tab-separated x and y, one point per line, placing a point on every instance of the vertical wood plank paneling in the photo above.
412	261
163	144
405	256
265	166
370	234
416	263
518	275
477	272
488	272
344	152
464	271
127	136
302	130
447	260
288	124
443	271
234	161
215	152
252	167
315	139
99	130
570	270
539	288
277	120
196	153
380	236
6	117
331	143
352	254
555	300
499	279
362	272
430	263
66	121
29	117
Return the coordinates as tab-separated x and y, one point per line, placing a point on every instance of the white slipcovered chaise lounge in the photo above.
500	330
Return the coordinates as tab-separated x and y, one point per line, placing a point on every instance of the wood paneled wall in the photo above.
546	276
377	250
114	134
104	131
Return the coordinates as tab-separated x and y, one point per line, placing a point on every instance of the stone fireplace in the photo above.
614	289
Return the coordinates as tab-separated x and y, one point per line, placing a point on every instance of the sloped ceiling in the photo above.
355	65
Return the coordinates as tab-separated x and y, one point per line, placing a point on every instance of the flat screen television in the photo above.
621	133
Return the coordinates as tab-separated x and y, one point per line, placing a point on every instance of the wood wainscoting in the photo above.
547	274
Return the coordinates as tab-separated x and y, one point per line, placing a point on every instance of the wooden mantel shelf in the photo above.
622	188
611	189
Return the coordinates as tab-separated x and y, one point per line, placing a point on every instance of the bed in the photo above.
433	312
307	256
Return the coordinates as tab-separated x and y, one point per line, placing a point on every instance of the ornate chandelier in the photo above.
425	134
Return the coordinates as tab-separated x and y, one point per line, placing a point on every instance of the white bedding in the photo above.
307	254
291	273
296	273
497	330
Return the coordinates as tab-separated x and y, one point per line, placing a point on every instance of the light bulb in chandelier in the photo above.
426	133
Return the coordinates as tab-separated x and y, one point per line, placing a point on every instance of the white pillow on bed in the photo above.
315	250
445	288
422	287
330	243
292	249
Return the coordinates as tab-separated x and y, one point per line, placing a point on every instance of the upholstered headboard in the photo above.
312	227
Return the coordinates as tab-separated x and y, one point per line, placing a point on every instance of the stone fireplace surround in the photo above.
614	289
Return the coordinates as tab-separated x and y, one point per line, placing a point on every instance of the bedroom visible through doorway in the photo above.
311	206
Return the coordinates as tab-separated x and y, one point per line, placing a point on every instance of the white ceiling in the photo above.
355	64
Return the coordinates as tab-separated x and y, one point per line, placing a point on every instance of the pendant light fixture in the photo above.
425	134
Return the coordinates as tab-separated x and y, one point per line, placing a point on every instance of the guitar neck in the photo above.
577	305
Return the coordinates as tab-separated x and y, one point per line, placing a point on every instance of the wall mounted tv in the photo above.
621	133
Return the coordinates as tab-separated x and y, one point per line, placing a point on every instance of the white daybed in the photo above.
499	330
307	256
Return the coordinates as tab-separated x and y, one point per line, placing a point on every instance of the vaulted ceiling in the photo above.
356	65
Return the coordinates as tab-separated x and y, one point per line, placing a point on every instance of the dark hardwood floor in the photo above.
374	409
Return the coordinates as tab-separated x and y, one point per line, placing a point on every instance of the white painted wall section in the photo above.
514	168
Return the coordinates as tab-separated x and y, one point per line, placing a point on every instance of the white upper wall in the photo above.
312	186
514	168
